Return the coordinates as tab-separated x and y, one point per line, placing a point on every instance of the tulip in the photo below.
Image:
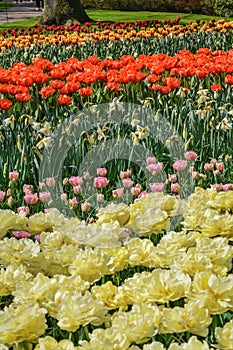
100	182
157	187
13	175
31	198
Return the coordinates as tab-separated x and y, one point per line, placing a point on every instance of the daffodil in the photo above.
76	310
155	345
148	222
11	276
139	324
22	322
11	221
159	286
38	223
212	292
48	343
90	264
108	294
191	318
114	212
224	336
106	339
192	344
142	252
23	251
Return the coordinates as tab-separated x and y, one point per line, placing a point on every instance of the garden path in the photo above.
19	11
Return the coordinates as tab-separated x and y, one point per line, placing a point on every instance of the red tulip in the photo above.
5	104
87	91
64	100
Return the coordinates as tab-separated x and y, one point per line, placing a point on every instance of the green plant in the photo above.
224	8
192	6
207	7
4	5
131	5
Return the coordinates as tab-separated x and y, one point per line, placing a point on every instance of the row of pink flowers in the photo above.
101	181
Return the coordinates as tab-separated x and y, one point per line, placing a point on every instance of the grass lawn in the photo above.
27	23
131	16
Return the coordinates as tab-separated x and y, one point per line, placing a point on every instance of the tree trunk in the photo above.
60	11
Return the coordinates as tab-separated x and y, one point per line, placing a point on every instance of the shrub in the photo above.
208	7
192	6
136	5
224	8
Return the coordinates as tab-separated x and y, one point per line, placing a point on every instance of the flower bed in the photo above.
116	187
129	283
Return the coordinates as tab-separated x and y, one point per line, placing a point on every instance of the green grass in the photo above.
131	16
119	16
27	23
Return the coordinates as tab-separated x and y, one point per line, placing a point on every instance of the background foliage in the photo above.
208	7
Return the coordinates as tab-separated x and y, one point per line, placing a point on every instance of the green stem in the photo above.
86	332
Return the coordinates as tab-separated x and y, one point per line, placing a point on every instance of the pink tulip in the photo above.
2	195
64	197
44	197
157	187
77	189
85	207
172	178
13	175
127	182
100	197
219	166
102	172
10	201
118	193
24	209
175	187
143	194
217	187
75	180
31	198
180	165
155	168
135	191
150	160
227	187
195	175
125	174
217	172
27	189
50	181
37	238
213	161
42	185
73	202
208	166
202	176
190	155
21	234
100	182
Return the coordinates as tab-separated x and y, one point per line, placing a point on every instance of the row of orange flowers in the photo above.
159	72
76	34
